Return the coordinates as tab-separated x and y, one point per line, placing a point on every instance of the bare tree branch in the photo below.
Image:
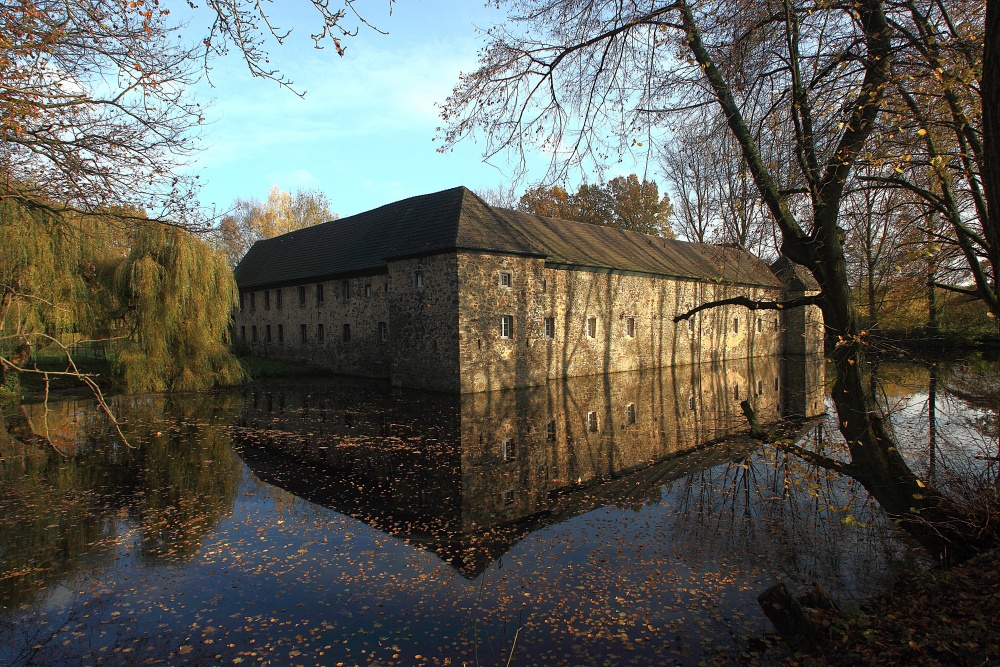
751	304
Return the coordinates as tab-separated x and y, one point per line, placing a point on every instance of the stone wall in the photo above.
423	323
349	313
803	328
381	325
600	322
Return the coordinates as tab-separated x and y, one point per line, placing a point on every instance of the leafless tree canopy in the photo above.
95	111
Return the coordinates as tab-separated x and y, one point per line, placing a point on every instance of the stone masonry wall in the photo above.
383	325
492	358
423	323
360	303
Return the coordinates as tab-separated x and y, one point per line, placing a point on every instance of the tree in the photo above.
175	296
623	202
95	113
159	296
97	131
717	199
251	220
933	134
551	202
811	76
637	206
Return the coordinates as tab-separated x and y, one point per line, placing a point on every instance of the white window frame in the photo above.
506	326
591	327
506	279
630	327
549	327
508	450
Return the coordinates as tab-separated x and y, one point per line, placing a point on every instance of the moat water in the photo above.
624	519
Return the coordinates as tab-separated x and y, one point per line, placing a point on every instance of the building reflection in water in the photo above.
468	476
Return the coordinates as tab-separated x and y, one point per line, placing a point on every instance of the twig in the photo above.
513	644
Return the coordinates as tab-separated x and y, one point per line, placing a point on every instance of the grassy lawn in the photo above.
258	368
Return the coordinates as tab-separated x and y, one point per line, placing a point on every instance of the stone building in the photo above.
445	292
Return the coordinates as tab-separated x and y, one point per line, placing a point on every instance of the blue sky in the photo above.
364	131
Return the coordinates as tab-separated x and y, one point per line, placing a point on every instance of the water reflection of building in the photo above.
468	476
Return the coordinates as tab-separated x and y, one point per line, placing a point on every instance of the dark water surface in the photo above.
623	519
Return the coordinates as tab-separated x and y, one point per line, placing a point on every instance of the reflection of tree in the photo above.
950	456
774	509
176	484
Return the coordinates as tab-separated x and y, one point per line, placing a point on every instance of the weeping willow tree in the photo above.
159	296
46	280
178	295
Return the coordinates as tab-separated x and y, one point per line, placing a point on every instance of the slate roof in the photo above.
457	219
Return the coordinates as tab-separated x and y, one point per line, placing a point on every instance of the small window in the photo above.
368	290
691	402
550	327
776	384
550	431
267	333
505	279
506	326
304	333
345	290
630	414
591	327
630	327
243	333
508	497
592	422
760	325
691	323
347	333
302	295
253	333
267	299
736	392
319	332
241	301
736	325
545	286
507	450
760	387
776	324
319	293
418	279
253	300
281	333
277	298
383	332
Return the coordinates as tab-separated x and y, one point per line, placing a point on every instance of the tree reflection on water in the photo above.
623	518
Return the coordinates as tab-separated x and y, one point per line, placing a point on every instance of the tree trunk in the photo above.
990	91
